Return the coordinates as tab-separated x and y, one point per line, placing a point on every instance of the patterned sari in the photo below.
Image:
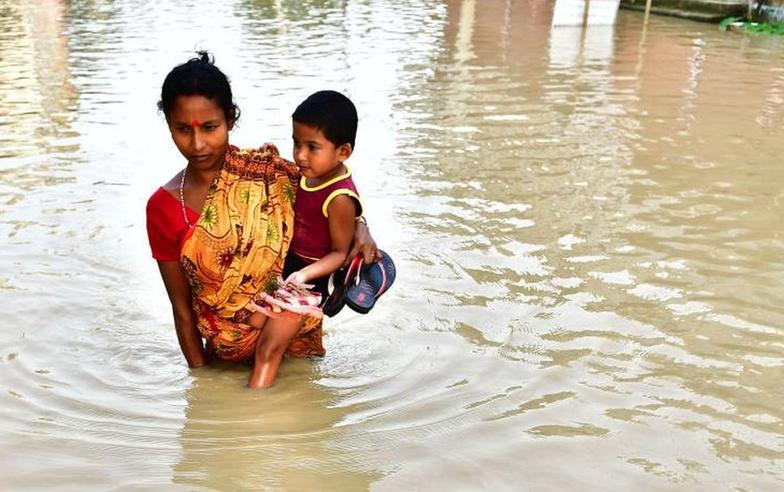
237	248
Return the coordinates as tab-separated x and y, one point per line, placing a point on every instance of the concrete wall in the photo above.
712	10
701	10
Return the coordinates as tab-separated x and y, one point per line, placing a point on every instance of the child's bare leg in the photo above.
270	348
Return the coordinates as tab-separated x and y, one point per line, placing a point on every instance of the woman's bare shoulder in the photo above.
174	183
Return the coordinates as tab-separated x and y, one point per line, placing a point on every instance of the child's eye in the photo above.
312	148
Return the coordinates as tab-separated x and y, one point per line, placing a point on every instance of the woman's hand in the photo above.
363	243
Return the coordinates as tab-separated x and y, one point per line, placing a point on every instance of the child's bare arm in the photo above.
341	217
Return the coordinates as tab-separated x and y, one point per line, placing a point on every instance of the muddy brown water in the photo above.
586	223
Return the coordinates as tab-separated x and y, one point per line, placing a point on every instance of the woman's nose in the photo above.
197	140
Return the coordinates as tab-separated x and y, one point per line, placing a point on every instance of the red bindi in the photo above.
195	123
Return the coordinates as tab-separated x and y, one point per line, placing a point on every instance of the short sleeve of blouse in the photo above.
162	226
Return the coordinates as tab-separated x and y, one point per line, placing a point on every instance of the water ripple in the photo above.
587	248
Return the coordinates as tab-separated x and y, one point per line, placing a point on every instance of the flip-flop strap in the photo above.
359	271
356	264
383	280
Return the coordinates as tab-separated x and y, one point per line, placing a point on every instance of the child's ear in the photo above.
344	151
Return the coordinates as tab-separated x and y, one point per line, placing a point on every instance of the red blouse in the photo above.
166	227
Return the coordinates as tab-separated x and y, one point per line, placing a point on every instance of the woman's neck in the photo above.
202	177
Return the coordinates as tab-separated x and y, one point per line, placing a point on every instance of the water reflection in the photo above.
585	224
284	439
36	134
38	97
584	245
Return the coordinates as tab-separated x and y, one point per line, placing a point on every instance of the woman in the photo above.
220	230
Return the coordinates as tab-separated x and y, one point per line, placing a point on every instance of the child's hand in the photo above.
297	277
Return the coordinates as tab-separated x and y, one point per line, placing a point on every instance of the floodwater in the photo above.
587	227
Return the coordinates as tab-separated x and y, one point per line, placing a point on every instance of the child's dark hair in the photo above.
332	113
199	76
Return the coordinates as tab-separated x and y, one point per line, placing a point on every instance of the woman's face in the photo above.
200	131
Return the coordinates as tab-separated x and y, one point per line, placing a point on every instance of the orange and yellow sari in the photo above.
238	246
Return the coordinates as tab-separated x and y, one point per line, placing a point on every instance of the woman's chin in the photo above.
204	164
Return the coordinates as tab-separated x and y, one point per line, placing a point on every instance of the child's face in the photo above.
200	131
316	156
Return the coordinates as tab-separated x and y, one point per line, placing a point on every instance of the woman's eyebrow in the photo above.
195	123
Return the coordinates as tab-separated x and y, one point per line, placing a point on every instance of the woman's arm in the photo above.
184	319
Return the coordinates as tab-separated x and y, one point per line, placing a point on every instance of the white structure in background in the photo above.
592	43
572	12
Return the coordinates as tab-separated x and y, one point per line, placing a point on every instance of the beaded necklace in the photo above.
182	199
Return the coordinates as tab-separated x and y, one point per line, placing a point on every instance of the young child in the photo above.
327	206
326	209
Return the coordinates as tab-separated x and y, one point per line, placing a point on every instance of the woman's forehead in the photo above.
196	108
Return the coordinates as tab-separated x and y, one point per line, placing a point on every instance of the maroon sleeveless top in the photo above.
311	228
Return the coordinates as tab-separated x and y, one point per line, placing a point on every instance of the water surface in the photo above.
587	227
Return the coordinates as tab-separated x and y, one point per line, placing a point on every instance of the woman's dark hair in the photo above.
332	113
199	76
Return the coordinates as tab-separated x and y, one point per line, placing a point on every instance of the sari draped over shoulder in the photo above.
237	248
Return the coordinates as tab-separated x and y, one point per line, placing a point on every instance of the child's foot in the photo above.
290	301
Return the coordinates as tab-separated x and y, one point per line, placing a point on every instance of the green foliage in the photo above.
752	27
725	23
764	28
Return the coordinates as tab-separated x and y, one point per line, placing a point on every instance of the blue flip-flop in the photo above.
371	281
338	281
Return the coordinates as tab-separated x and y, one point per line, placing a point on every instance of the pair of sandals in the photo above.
359	286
